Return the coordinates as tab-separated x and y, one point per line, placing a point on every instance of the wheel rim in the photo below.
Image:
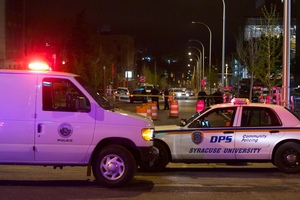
112	167
291	158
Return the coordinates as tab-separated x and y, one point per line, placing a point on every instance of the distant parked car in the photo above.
138	94
121	93
190	92
178	93
148	88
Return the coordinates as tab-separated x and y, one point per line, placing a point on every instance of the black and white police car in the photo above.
233	132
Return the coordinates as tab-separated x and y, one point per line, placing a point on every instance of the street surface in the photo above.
178	181
186	108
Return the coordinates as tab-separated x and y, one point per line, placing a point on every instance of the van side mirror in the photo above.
80	104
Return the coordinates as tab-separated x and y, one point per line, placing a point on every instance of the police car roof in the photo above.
245	102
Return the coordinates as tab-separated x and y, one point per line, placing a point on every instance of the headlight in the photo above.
148	134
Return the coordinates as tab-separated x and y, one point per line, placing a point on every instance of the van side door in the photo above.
17	117
65	122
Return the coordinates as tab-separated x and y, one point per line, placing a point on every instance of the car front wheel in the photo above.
160	163
287	158
114	166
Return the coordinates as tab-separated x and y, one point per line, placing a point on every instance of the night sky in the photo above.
160	26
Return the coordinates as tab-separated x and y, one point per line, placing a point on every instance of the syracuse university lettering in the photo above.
225	150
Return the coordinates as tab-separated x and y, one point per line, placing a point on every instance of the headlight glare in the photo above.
148	134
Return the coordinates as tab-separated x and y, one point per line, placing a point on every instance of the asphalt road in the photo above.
186	108
178	181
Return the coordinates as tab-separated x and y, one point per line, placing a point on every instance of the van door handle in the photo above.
39	128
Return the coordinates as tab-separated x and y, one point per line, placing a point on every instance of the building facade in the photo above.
11	34
121	47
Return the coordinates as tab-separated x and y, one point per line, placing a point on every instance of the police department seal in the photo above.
65	130
197	137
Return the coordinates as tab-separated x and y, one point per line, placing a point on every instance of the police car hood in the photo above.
127	117
167	127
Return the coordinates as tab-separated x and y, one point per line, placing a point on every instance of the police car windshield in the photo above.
193	117
100	99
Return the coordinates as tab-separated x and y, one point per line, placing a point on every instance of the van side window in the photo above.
63	95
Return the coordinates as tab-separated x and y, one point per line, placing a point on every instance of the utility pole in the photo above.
286	54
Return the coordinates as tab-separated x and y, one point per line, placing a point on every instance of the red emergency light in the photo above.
39	66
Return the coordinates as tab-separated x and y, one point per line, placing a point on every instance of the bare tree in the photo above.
96	73
248	51
267	69
261	52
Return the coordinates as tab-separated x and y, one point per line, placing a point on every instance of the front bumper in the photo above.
149	154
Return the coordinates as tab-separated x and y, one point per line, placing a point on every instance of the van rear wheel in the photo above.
114	166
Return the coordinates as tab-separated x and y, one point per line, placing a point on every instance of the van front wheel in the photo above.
114	166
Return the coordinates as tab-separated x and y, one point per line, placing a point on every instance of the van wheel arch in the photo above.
126	143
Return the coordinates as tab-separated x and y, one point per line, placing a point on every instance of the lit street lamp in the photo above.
198	64
199	67
226	75
223	46
210	39
202	55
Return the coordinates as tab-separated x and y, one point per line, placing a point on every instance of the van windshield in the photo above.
100	99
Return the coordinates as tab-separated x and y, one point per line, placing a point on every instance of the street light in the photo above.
226	75
202	54
210	38
199	67
223	46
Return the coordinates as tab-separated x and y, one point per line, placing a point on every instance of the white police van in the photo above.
57	119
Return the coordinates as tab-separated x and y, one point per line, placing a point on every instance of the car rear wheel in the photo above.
160	163
287	158
114	166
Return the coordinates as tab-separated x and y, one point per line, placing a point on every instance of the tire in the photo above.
160	163
114	166
287	158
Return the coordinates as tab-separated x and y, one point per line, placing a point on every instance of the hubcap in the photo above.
291	158
112	167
